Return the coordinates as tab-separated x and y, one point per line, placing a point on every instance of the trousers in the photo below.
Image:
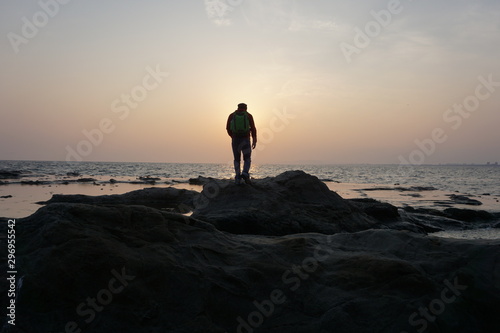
241	146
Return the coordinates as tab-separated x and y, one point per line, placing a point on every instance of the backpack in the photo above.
240	125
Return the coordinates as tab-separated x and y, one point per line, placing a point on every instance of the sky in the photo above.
327	81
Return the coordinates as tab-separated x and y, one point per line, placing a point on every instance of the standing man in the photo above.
240	126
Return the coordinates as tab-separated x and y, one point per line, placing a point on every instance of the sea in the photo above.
25	183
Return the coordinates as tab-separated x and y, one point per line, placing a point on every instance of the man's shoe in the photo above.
246	177
237	180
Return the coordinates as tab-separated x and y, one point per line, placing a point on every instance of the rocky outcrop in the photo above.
293	202
125	268
160	197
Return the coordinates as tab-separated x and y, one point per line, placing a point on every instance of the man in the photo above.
240	126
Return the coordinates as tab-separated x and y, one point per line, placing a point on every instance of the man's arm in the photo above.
228	125
253	131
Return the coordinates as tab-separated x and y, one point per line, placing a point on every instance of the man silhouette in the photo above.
240	126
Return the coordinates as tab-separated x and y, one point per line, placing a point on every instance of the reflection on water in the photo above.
487	233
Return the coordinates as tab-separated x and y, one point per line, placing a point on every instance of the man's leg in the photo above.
237	158
247	159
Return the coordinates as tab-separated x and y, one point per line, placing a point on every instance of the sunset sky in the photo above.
327	81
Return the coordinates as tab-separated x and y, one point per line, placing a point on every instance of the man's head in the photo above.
242	107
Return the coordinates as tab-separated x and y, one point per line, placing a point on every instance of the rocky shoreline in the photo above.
284	254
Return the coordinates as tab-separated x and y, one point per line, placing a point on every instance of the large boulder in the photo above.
122	268
293	202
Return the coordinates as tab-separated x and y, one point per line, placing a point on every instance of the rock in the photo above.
431	220
434	223
293	202
34	182
9	174
200	180
453	217
168	197
180	181
6	196
469	215
413	195
381	211
149	178
463	200
420	188
138	269
402	189
86	180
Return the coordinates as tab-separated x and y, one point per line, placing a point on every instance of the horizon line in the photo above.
316	163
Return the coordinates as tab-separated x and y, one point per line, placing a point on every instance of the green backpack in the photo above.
240	125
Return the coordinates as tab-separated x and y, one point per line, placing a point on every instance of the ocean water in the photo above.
466	179
427	186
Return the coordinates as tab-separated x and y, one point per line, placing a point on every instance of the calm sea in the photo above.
465	179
